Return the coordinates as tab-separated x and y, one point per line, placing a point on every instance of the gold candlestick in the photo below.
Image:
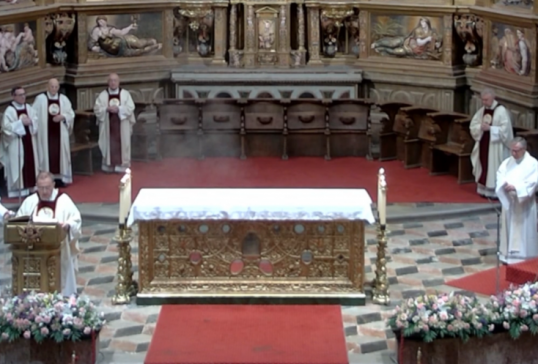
381	294
125	287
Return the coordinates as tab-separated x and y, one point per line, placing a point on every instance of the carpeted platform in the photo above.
242	334
485	282
404	185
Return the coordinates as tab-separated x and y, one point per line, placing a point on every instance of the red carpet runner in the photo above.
485	282
248	334
405	185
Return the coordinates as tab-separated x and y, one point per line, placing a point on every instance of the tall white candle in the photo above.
123	199
383	202
380	177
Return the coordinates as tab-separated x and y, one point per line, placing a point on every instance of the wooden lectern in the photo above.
36	255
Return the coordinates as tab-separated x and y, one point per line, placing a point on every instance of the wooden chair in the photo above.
387	135
349	124
262	132
180	128
452	153
306	129
408	144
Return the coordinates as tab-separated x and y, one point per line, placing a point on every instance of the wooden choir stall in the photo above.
234	244
36	255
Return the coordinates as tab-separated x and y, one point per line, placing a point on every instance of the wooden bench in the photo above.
387	135
452	154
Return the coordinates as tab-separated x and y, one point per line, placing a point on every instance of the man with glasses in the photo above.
19	149
51	205
56	118
517	179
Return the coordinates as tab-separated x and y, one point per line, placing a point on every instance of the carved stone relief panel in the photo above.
470	29
19	48
332	20
148	92
403	36
435	98
510	49
194	30
124	35
58	31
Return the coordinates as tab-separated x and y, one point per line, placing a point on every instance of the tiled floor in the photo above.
423	256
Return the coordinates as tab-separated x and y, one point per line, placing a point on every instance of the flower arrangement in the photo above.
518	309
447	315
48	316
453	315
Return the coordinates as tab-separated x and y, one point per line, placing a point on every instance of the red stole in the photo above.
42	204
28	173
483	153
54	134
114	124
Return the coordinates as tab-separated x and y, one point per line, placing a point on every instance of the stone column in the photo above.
283	38
313	36
250	31
234	57
168	29
301	29
220	36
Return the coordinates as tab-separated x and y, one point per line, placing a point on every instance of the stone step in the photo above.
440	268
121	328
398	269
365	344
143	315
460	259
433	249
375	329
421	279
377	357
477	250
132	344
412	258
403	291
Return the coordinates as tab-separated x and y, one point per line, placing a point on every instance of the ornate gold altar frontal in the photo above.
223	260
36	255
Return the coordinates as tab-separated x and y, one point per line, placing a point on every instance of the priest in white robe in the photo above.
51	205
114	110
56	119
517	179
19	152
491	129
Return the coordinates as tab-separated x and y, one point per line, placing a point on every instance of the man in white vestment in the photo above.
56	118
491	129
19	152
114	110
517	179
48	205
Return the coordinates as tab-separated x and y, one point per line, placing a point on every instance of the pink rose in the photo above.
27	334
44	331
66	332
506	325
5	336
88	330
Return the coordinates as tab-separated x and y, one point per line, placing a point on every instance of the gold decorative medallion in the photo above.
54	109
113	102
487	119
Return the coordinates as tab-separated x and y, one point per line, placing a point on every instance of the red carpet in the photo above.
248	334
484	282
405	185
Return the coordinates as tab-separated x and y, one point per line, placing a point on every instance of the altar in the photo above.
271	245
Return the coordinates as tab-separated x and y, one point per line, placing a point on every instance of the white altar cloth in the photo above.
251	204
